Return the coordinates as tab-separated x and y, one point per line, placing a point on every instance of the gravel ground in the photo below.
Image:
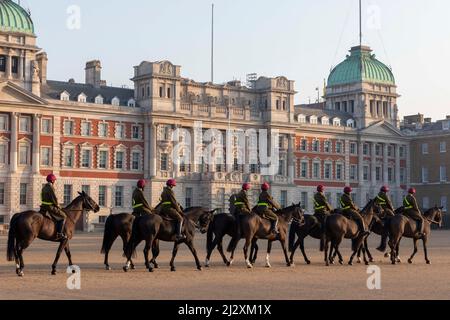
315	281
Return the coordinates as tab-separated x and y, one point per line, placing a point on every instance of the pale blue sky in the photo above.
295	38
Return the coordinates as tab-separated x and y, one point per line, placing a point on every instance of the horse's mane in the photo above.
284	210
366	208
73	202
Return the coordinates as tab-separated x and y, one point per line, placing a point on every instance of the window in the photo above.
402	175
69	155
103	159
316	146
378	173
188	198
444	203
327	171
161	92
23	194
120	131
443	147
402	152
169	93
46	156
99	99
304	199
118	197
391	175
353	172
424	148
313	120
86	189
366	175
303	145
115	101
2	193
24	124
102	196
68	128
136	161
366	149
301	118
103	129
65	96
378	151
3	122
136	132
353	148
304	169
67	194
164	162
337	106
443	173
325	121
327	146
82	98
15	64
120	155
316	170
46	126
24	155
424	175
336	122
339	171
85	128
132	103
339	148
390	151
425	202
2	63
86	157
3	153
283	198
281	171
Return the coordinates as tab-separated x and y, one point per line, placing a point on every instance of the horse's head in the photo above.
295	211
436	215
88	203
204	220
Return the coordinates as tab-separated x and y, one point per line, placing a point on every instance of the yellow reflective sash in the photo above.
168	203
381	200
317	206
344	207
406	204
239	203
263	204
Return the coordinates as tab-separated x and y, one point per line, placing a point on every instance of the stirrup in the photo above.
61	236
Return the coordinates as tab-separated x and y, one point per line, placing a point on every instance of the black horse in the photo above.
222	224
153	227
25	227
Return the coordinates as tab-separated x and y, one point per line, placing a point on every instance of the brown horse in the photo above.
154	227
25	227
401	226
253	227
338	227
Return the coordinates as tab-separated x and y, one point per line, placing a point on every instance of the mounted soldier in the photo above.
140	205
413	211
351	210
241	206
322	209
384	201
50	207
171	207
266	207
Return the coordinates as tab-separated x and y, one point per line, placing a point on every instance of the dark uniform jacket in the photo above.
321	204
410	203
241	202
347	203
266	198
168	200
50	203
140	204
384	201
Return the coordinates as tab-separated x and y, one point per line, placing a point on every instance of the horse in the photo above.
222	224
154	227
253	227
25	227
338	227
401	226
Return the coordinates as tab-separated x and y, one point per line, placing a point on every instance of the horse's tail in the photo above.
292	234
130	248
10	253
108	234
209	236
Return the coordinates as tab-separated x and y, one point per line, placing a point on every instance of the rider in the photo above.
349	208
140	204
413	211
385	202
171	207
50	205
241	207
266	206
322	209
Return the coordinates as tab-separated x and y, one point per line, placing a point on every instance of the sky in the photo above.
300	39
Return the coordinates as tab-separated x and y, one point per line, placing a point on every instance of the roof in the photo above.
53	90
14	18
361	66
318	110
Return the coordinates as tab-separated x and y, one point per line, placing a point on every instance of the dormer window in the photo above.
336	122
325	121
351	123
115	101
82	98
313	120
65	96
132	103
301	118
99	99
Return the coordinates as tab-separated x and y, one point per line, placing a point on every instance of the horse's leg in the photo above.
302	248
397	257
155	253
210	250
325	250
125	240
19	261
148	244
111	241
222	253
369	254
269	250
285	251
68	254
410	260
364	250
294	248
425	249
191	247
341	259
174	254
58	254
254	251
248	242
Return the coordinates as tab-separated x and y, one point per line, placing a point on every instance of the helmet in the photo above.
320	188
412	191
265	187
348	190
171	183
384	189
246	186
51	178
141	184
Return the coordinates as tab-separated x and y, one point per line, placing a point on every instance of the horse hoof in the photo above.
199	268
268	266
341	262
350	263
308	262
125	269
393	263
150	270
133	267
399	260
20	273
358	261
371	260
428	262
249	266
54	273
410	261
173	269
367	263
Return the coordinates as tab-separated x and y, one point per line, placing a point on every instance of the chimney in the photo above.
447	118
42	61
94	73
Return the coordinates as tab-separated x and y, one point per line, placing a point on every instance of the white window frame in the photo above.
99	99
117	149
140	163
50	156
444	203
100	124
72	123
328	164
337	122
50	126
340	163
319	163
100	149
139	132
443	147
131	103
6	122
313	120
4	142
355	176
443	174
82	98
24	143
425	148
69	146
28	129
301	118
89	124
64	96
84	149
116	131
302	163
425	175
115	102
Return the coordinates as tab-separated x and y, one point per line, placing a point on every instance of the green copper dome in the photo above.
13	18
361	66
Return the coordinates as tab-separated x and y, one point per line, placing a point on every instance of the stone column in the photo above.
193	145
20	66
290	158
360	162
398	183
8	66
153	139
176	158
14	138
373	164
147	150
385	164
36	143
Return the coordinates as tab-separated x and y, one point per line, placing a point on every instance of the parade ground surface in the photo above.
317	282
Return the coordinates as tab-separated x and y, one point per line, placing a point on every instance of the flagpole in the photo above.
360	23
212	44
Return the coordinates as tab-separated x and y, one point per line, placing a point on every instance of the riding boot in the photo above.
420	234
362	228
60	230
180	236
